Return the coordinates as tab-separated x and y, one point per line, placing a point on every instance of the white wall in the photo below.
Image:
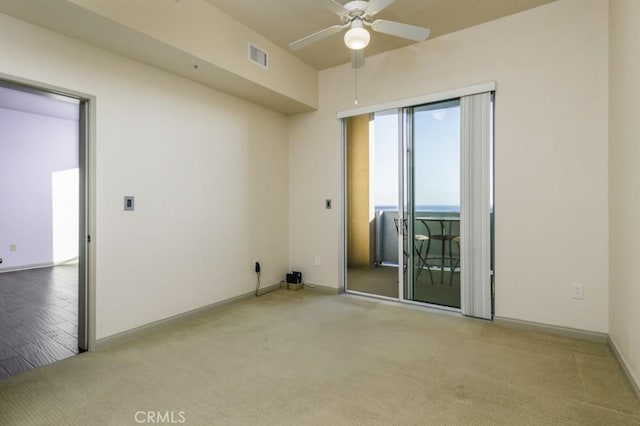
32	148
550	65
209	173
624	180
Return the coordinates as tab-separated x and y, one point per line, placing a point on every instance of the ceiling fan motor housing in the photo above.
357	6
356	9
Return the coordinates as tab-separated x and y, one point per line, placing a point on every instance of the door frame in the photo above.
87	189
399	104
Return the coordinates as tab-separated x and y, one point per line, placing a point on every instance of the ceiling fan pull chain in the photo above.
356	87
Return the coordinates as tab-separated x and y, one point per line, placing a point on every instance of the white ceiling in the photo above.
284	21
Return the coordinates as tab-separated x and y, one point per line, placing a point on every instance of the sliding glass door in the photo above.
432	208
419	203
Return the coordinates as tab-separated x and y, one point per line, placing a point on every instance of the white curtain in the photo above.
475	225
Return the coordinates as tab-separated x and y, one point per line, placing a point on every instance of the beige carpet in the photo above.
298	358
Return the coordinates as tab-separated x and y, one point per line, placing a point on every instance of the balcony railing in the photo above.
386	236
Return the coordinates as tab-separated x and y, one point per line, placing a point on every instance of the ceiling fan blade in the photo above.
376	6
335	7
399	29
357	58
317	36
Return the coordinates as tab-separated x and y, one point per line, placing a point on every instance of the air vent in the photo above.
258	56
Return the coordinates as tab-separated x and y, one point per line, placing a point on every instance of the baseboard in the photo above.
26	267
633	381
323	289
125	336
575	333
262	291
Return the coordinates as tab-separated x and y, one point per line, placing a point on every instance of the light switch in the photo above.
128	202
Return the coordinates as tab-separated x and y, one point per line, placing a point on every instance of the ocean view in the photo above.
423	208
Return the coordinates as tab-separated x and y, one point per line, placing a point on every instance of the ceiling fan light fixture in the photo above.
357	38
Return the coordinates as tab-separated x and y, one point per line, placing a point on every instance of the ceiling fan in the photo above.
357	15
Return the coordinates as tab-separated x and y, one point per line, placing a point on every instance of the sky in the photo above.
436	151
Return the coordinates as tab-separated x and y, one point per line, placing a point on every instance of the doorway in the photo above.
419	209
43	150
372	204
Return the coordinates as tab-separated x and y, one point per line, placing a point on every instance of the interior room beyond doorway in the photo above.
40	162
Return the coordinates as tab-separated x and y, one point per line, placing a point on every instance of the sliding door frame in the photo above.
403	122
402	163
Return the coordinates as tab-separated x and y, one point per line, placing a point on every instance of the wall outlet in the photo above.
12	247
577	291
317	261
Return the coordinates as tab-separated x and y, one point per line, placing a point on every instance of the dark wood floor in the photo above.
38	317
